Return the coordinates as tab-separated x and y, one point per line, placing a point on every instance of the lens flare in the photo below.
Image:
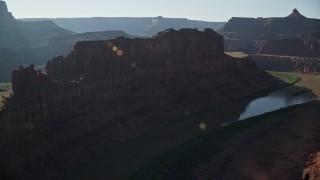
119	52
202	126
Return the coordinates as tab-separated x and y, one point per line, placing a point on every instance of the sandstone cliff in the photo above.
287	63
105	92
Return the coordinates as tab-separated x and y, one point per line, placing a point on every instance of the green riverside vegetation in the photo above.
236	54
286	77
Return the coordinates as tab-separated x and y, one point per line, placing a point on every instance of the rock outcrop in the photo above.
106	92
295	14
253	31
287	63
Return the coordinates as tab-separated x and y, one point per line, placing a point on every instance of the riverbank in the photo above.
275	145
310	82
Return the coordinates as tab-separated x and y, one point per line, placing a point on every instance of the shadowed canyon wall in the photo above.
109	91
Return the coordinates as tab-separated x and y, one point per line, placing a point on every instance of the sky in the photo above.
206	10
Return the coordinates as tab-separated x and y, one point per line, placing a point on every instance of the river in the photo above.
276	100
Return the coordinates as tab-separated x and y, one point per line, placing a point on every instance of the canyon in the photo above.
136	100
106	92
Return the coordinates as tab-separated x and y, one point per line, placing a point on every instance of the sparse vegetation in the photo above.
237	54
286	77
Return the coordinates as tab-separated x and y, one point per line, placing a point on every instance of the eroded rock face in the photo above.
301	47
105	92
287	63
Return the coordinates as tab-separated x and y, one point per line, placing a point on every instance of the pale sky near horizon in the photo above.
207	10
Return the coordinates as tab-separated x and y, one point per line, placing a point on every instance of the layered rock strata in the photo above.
301	47
287	63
